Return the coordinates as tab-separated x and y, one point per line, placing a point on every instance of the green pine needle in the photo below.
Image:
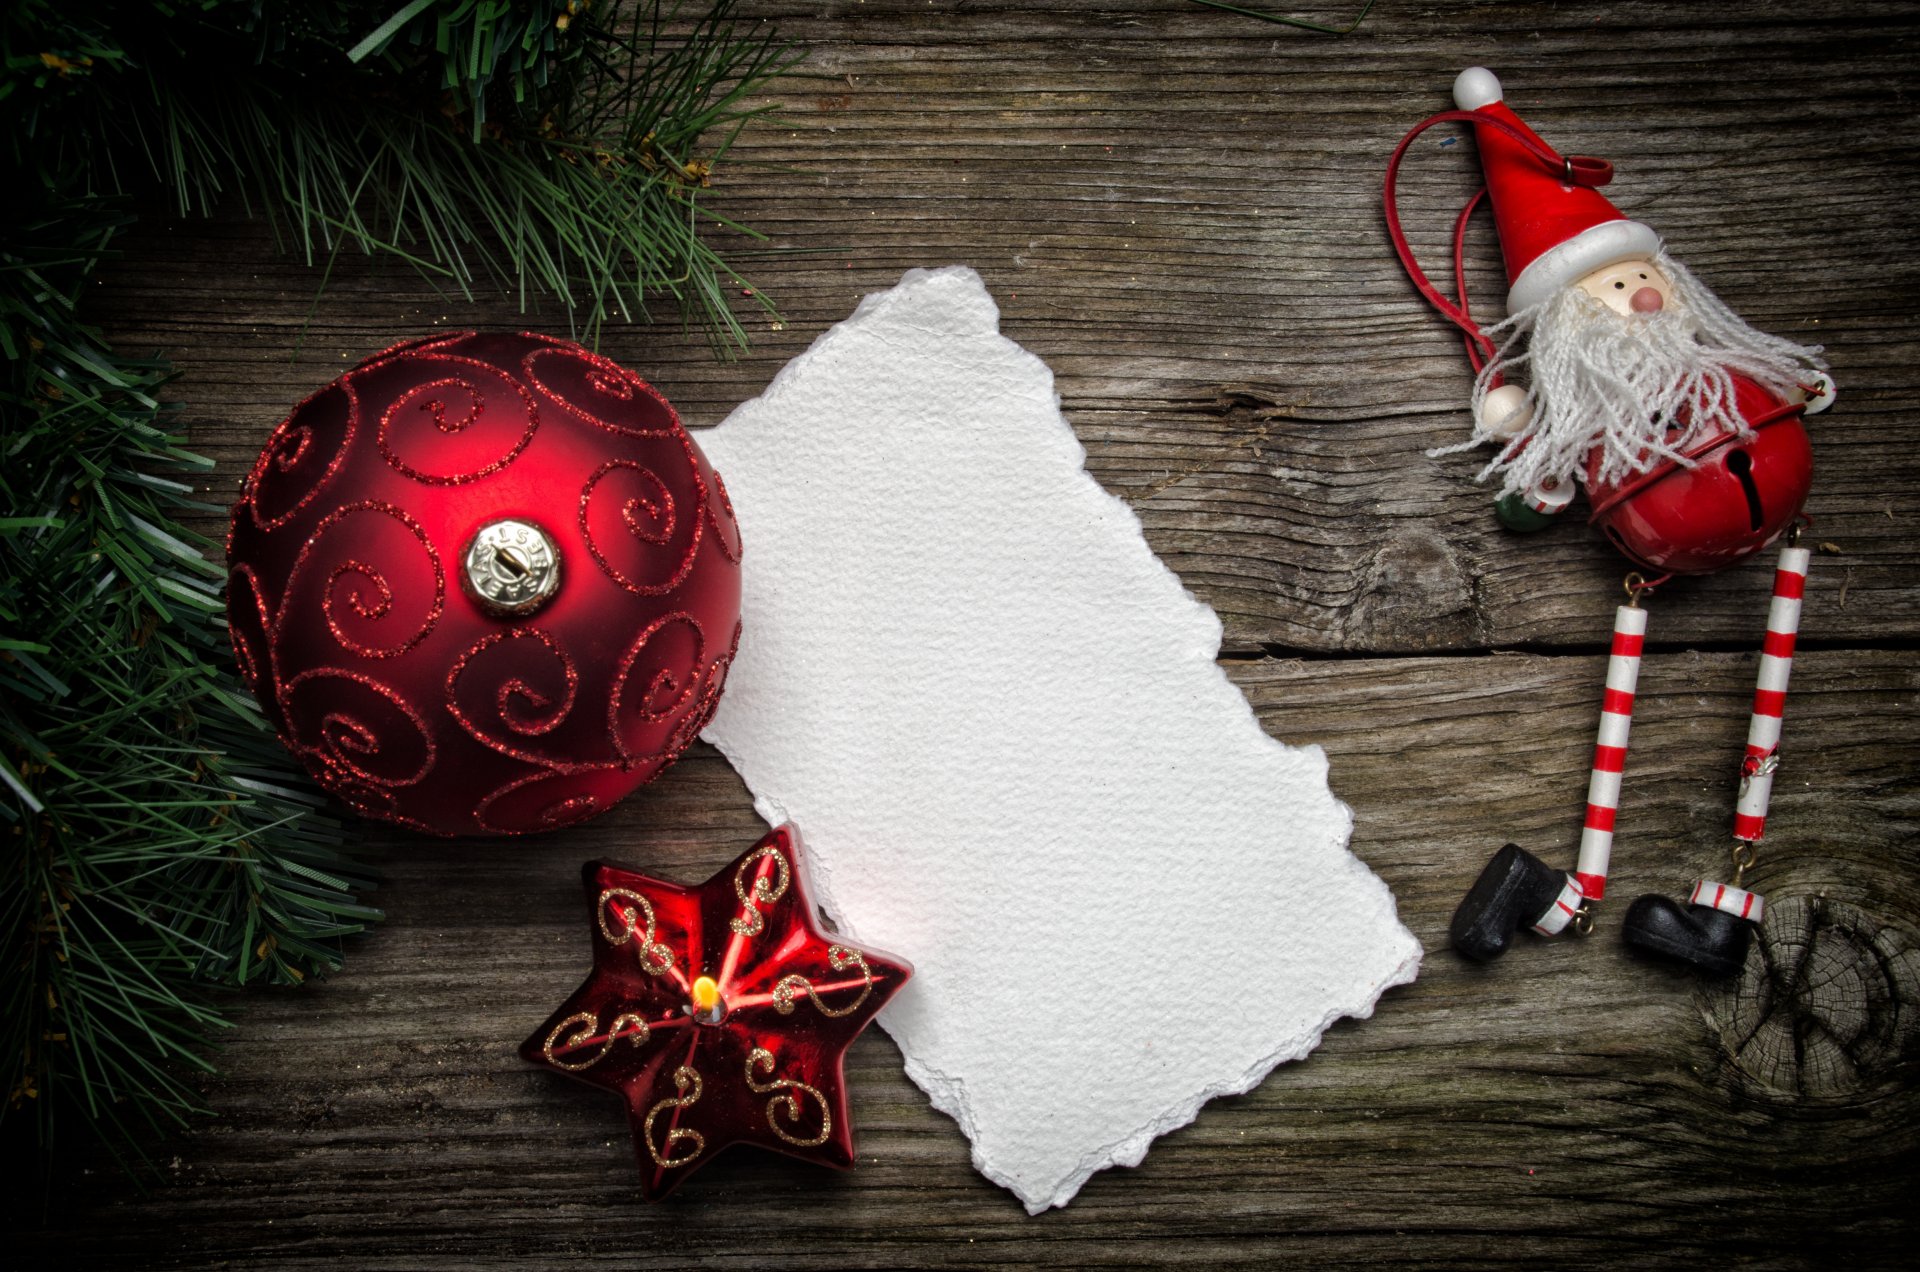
134	850
159	842
537	144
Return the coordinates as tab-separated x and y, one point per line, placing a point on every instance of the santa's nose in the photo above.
1646	301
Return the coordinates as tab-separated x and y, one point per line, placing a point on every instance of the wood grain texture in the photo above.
1178	210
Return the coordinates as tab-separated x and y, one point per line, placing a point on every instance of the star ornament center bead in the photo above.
720	1013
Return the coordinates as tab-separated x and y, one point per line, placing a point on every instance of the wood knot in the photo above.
1828	1004
1414	594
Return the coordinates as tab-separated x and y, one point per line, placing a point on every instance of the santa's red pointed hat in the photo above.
1552	233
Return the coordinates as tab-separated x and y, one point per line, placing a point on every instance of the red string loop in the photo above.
1576	170
1587	171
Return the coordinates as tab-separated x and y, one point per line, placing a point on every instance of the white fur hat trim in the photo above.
1597	246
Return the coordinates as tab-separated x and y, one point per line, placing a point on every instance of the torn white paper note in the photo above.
997	719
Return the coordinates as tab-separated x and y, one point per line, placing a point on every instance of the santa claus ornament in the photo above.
1618	372
484	584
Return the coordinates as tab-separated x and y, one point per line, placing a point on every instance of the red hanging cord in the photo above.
1572	170
1476	339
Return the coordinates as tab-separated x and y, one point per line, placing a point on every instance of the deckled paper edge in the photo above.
944	1090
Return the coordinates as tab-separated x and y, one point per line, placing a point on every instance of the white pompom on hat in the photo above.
1476	87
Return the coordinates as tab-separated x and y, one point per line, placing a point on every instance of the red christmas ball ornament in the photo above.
484	584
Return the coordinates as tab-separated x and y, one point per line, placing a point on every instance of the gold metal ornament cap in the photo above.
512	567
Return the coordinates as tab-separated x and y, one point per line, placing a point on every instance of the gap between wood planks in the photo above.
1292	653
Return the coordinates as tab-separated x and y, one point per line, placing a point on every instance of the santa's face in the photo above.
1629	287
1635	377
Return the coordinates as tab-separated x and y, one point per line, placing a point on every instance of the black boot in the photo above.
1513	892
1711	940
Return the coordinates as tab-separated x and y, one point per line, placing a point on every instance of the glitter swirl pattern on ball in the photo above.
430	661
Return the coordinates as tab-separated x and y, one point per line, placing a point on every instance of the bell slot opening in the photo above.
1740	464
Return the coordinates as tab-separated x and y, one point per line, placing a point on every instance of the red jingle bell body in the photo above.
1738	495
484	584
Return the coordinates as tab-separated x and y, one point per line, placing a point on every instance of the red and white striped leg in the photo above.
1770	696
1610	751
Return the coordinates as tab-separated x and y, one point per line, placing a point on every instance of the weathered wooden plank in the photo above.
1221	249
1179	212
1485	1115
1177	209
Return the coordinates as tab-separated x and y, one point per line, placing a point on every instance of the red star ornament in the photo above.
720	1013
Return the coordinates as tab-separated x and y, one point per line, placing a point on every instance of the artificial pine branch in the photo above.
543	143
157	839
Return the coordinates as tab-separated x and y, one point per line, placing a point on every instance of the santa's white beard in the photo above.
1599	380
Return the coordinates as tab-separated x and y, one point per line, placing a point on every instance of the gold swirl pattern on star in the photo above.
655	958
585	1024
688	1084
765	891
840	958
787	1100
